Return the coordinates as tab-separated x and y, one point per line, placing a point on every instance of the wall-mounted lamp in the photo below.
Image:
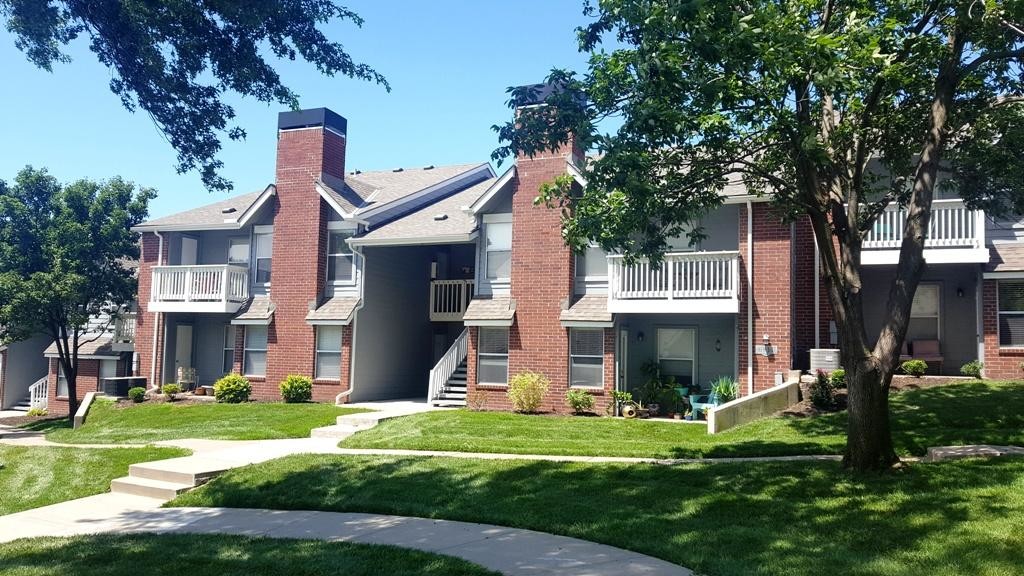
959	292
640	336
718	344
766	339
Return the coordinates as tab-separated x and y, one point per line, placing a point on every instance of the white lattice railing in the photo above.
681	275
213	283
952	225
447	365
449	298
38	393
124	327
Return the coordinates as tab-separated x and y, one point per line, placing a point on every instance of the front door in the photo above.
189	251
182	347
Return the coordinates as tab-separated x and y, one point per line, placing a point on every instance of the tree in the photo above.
833	109
65	258
176	60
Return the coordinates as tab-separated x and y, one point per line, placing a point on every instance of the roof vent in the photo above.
431	167
230	210
440	217
399	170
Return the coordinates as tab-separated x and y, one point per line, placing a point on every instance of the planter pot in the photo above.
200	391
654	408
677	416
629	411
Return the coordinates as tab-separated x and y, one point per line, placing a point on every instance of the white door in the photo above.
182	347
189	251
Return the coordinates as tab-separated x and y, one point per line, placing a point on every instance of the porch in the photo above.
200	346
213	288
684	282
956	234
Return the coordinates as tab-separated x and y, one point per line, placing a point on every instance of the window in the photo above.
255	356
586	357
924	313
108	369
229	349
264	250
592	263
498	250
62	381
492	356
328	352
340	260
1011	313
677	354
238	251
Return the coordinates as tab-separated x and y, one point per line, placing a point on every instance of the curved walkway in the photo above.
506	550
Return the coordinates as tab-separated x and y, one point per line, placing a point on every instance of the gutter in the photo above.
750	298
156	315
355	314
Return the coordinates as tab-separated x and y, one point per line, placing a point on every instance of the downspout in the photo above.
817	295
156	315
750	298
355	317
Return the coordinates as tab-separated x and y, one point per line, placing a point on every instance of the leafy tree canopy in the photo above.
176	59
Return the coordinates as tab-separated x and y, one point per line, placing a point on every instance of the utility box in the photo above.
826	359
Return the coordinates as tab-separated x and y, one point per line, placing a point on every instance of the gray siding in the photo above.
711	363
722	229
23	366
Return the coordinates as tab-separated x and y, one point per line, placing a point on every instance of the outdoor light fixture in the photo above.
640	336
766	339
718	344
959	292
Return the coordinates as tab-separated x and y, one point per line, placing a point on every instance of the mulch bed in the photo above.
804	408
22	420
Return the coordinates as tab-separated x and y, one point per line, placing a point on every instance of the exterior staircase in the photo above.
453	393
23	406
448	378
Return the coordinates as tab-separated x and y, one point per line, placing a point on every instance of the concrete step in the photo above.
188	470
448	402
453	394
339	431
359	421
147	487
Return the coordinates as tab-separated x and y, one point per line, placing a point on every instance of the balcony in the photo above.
216	288
448	299
955	235
685	282
124	333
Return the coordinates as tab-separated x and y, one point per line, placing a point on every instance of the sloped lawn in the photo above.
778	518
962	413
36	476
122	423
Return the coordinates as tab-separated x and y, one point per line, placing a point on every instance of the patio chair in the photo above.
928	350
698	403
186	378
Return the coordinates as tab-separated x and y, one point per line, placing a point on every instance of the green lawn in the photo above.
792	518
965	413
142	423
38	476
208	555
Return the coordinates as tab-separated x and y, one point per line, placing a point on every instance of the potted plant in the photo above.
652	390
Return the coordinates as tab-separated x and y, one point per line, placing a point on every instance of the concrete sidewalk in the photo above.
506	550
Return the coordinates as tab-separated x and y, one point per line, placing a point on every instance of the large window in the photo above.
229	349
238	251
492	356
586	357
108	369
264	240
328	352
340	260
592	263
255	356
1011	313
677	354
62	381
924	313
498	250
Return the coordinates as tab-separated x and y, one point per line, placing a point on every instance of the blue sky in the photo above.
448	63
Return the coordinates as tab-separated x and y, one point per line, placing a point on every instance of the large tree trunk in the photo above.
869	438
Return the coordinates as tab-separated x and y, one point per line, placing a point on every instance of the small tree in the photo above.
63	256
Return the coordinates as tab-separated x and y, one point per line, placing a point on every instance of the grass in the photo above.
109	423
964	413
36	476
209	555
792	518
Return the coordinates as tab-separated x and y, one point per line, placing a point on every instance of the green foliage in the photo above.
526	391
822	393
972	369
915	368
725	388
169	390
838	378
232	389
619	398
580	401
179	61
36	412
297	388
137	394
655	386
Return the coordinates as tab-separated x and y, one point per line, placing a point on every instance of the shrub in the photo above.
725	388
822	392
972	369
619	398
137	394
36	412
580	401
296	388
170	390
232	389
526	390
476	400
915	368
838	378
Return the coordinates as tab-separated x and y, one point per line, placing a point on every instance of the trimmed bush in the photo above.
35	412
725	388
915	368
972	369
137	394
822	393
580	401
170	390
526	391
296	388
838	378
232	389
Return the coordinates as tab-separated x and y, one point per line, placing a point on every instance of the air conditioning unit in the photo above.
826	359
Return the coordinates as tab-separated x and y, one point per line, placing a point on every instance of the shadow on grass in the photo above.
771	518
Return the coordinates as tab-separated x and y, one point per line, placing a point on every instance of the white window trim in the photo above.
693	361
246	350
999	325
317	351
503	218
938	307
253	259
332	227
602	357
480	354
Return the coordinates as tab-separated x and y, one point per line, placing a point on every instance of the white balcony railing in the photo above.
447	365
124	332
683	282
213	288
448	299
955	234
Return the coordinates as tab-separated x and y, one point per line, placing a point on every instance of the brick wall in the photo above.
87	381
803	297
1000	363
146	326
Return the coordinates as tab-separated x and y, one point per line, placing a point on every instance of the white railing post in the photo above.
447	365
38	393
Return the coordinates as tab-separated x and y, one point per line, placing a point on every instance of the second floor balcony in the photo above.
684	282
209	288
124	332
956	234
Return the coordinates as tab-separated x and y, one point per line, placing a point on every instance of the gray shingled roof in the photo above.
99	347
207	215
389	185
257	309
589	308
337	309
496	308
1005	258
423	223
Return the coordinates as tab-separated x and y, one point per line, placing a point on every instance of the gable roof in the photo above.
228	214
100	348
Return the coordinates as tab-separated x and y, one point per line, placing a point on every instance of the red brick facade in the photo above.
149	325
87	381
804	336
1001	363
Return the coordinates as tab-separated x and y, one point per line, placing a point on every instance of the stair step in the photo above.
187	470
445	402
339	431
147	487
453	395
